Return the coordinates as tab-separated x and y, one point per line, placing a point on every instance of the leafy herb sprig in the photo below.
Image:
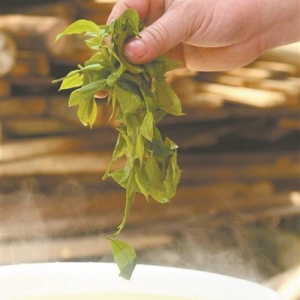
140	97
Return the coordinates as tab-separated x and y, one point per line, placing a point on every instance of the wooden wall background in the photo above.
239	152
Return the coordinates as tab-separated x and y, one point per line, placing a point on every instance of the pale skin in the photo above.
210	35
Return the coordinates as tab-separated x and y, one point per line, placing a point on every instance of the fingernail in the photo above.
135	49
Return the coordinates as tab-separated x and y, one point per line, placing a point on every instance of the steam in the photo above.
233	250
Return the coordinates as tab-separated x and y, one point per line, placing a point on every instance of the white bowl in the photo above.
101	282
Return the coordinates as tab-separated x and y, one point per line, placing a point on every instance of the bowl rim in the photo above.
50	279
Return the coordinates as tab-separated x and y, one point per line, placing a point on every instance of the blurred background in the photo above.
237	207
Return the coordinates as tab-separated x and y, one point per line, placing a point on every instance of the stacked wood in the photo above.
245	86
36	32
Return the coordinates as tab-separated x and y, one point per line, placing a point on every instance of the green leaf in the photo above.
128	97
173	177
86	92
94	43
97	58
73	79
125	27
119	151
124	256
131	189
146	127
92	67
87	112
140	148
119	176
113	99
160	150
150	182
113	77
143	181
80	26
133	17
158	67
167	98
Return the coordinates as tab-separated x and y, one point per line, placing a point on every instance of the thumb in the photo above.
158	38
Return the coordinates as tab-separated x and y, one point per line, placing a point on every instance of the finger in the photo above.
101	94
176	54
158	38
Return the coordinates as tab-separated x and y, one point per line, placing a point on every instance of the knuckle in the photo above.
160	36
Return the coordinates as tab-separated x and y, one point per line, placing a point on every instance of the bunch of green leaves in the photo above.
140	97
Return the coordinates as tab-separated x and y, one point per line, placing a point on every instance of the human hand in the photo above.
211	35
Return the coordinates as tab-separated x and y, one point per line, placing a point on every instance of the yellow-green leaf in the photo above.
80	26
167	98
86	92
146	127
73	79
87	112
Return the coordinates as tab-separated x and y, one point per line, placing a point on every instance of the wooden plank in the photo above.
73	248
247	173
97	162
8	52
58	164
16	150
289	123
32	85
2	135
196	169
5	88
96	11
230	80
280	68
284	86
25	106
30	63
28	127
37	31
288	54
66	9
58	108
295	81
203	100
246	96
250	73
